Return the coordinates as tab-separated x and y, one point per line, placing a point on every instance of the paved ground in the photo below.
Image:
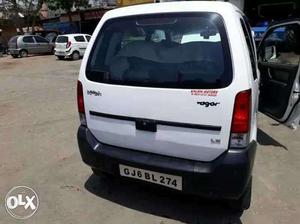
38	123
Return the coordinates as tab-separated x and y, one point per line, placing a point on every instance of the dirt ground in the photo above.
38	148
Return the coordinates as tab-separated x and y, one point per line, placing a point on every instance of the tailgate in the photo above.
162	84
181	123
60	46
61	43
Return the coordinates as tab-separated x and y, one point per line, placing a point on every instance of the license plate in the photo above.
166	180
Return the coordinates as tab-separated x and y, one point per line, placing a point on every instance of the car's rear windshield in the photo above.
62	39
13	39
182	50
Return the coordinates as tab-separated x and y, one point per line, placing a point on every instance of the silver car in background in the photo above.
21	46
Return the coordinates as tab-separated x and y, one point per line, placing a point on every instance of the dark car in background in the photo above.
21	46
1	49
3	46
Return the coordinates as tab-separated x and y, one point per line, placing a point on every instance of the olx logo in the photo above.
21	202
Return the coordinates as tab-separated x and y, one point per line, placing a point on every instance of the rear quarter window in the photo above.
181	50
62	39
79	38
88	38
40	40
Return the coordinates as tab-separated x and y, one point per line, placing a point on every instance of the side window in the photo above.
79	38
28	39
88	38
250	45
40	39
281	45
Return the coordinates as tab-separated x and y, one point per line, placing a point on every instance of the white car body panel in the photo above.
174	105
62	50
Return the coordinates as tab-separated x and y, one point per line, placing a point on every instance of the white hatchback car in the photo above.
168	93
71	45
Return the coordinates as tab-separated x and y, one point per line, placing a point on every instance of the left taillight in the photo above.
80	103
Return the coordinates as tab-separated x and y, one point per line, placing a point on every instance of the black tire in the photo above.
52	51
15	55
60	57
23	53
244	202
75	55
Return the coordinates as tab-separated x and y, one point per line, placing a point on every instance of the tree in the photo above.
67	6
31	10
17	10
10	8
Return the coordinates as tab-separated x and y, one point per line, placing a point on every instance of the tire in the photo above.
244	202
23	53
60	57
75	55
15	55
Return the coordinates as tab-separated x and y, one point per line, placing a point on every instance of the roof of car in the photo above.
167	7
74	34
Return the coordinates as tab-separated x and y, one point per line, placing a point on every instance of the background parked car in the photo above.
29	44
1	50
50	35
71	46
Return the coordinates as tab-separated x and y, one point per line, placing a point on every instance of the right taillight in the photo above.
241	120
80	103
68	44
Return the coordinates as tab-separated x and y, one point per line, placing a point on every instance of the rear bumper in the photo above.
14	51
225	177
63	53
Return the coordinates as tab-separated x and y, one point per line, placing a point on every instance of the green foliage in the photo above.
66	5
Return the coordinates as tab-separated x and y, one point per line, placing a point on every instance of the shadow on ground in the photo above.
265	139
160	202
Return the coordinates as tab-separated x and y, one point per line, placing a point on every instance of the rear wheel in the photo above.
75	55
23	53
244	202
60	57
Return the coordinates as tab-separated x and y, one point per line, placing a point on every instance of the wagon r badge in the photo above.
93	92
207	104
